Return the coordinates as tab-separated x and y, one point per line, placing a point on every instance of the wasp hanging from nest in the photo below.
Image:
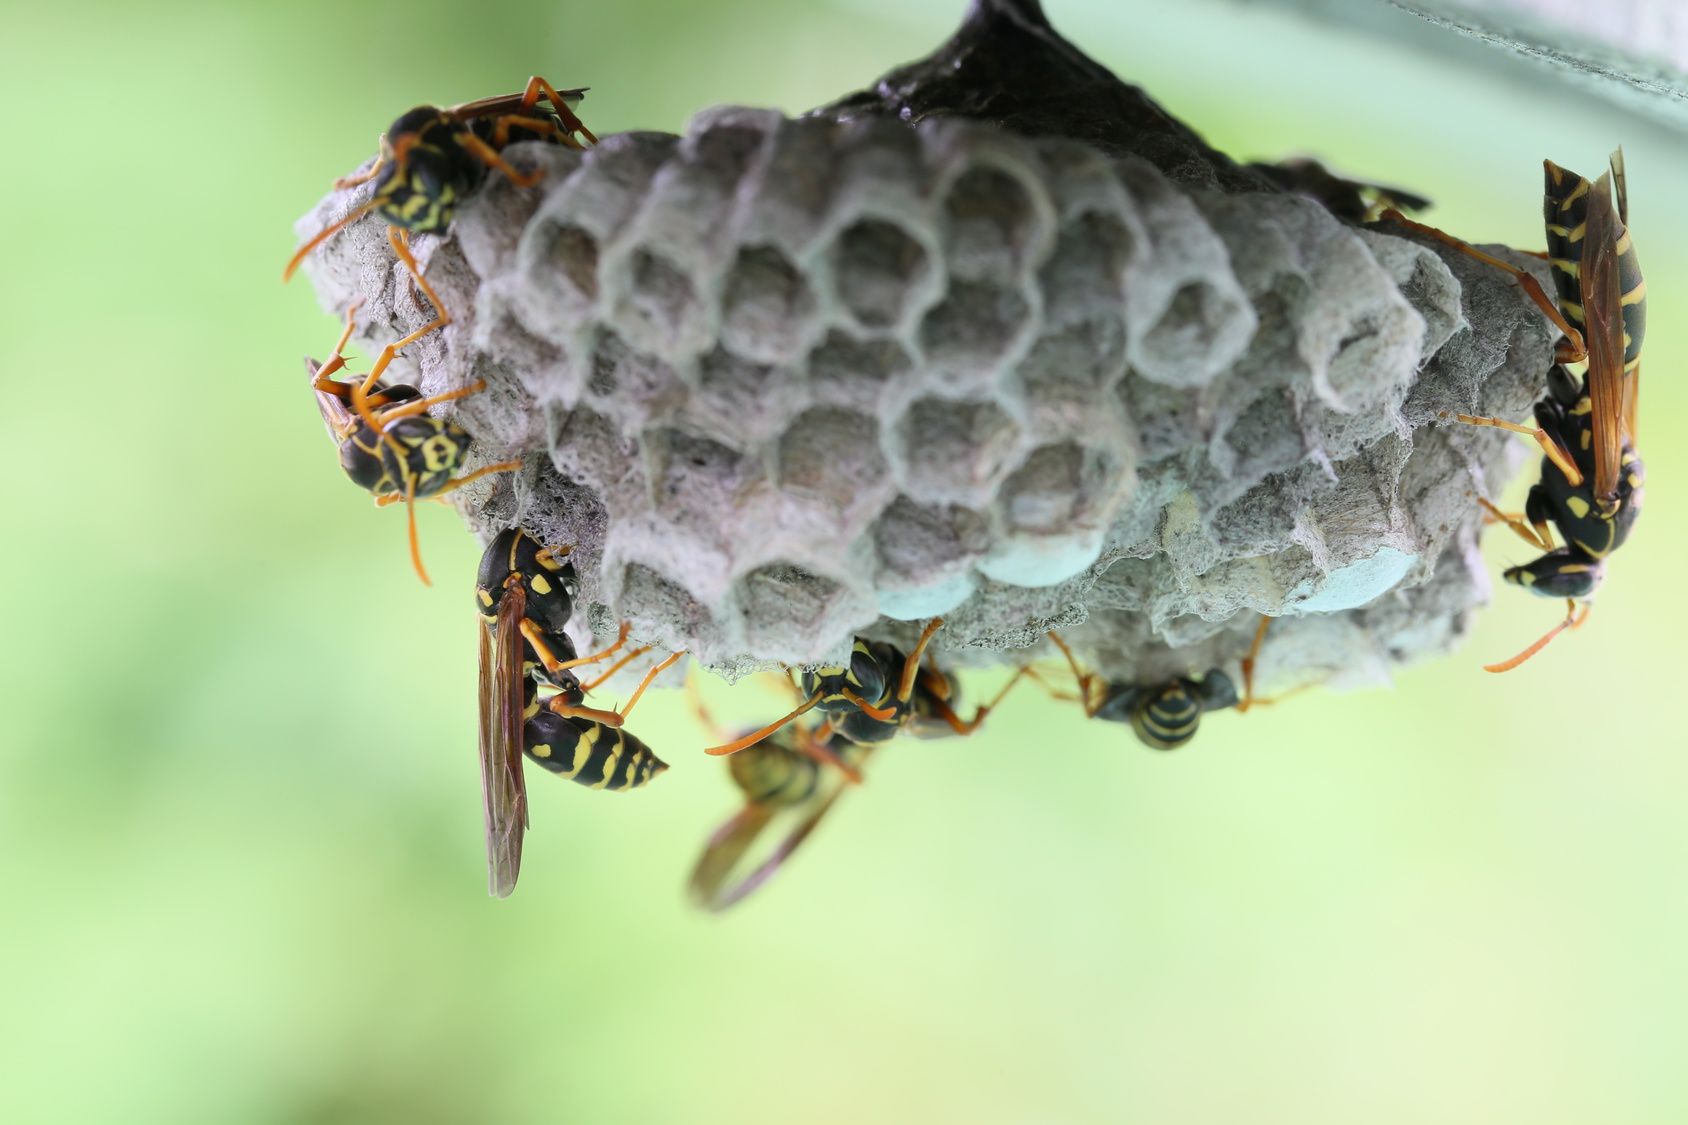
433	157
533	704
389	445
1591	478
795	773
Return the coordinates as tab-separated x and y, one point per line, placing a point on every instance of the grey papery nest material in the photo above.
785	381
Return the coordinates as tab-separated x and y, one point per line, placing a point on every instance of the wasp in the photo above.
388	444
1166	715
783	772
781	776
1591	481
1163	716
532	702
432	157
873	697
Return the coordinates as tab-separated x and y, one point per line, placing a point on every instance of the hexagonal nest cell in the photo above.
1023	354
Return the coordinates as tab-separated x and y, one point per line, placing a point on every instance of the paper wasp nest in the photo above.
1013	354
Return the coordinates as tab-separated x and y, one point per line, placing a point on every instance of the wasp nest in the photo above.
1024	354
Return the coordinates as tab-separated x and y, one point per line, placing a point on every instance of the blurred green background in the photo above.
240	852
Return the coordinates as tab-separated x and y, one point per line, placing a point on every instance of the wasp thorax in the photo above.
420	453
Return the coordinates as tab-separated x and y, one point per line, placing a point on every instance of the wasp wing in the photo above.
1632	384
1602	296
501	104
1620	185
712	882
725	876
336	414
503	790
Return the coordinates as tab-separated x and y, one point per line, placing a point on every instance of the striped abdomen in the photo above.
773	774
1565	210
588	753
1166	719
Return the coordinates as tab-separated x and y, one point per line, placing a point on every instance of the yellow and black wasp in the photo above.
1591	479
797	773
1163	716
432	157
388	444
532	702
782	776
873	697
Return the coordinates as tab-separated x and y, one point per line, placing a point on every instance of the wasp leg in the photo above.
694	697
1085	679
530	98
400	242
812	744
456	483
339	358
877	714
324	235
1536	535
1573	620
616	667
536	641
367	174
948	715
661	667
489	156
1054	692
1549	444
421	405
1572	349
605	653
502	126
1248	699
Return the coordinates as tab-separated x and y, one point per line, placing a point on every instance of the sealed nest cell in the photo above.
997	339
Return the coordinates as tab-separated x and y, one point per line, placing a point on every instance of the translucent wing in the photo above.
336	414
1620	185
508	103
1602	296
716	883
732	868
502	788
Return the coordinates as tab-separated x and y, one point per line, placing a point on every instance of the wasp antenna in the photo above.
877	714
415	543
756	736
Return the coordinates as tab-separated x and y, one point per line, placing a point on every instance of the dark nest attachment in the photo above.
996	339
